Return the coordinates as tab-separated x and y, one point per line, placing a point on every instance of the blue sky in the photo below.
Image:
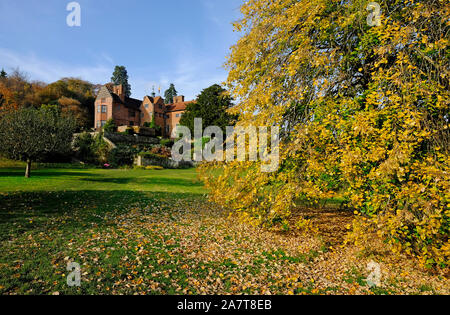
160	42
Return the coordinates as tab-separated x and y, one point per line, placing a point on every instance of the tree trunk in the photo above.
28	170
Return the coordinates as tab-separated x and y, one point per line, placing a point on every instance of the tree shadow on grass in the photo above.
163	181
174	182
73	211
38	173
122	180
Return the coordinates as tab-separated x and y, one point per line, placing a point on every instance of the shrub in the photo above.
167	143
129	131
154	168
152	156
84	148
155	159
122	156
101	149
110	126
154	126
163	151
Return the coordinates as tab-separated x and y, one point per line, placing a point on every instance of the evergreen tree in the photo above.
211	105
120	76
3	74
170	93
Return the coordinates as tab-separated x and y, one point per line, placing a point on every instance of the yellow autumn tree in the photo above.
364	112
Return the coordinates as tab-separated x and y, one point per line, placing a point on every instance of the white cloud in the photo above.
50	71
191	73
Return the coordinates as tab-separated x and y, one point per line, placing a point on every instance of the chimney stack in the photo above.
118	89
178	99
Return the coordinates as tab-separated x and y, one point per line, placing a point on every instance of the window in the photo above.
103	100
160	106
98	124
104	109
146	105
178	115
103	122
142	115
131	114
99	108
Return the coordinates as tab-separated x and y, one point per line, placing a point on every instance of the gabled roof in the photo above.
177	107
104	92
155	99
131	103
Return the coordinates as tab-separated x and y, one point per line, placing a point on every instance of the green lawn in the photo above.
153	232
40	216
170	181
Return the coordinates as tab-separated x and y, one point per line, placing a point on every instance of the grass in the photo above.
179	181
153	232
40	216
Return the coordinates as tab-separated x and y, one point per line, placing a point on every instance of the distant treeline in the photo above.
70	94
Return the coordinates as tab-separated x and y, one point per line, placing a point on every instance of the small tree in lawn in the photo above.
29	134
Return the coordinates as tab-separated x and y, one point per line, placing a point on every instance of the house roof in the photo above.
131	103
155	99
177	107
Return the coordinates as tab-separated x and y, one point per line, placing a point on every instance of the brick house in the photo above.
111	103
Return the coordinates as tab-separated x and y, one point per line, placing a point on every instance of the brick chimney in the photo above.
178	99
119	90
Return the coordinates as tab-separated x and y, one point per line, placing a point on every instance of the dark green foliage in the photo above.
84	147
155	159
110	126
167	143
120	76
122	156
153	125
101	148
169	94
32	134
211	106
153	156
129	131
3	74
